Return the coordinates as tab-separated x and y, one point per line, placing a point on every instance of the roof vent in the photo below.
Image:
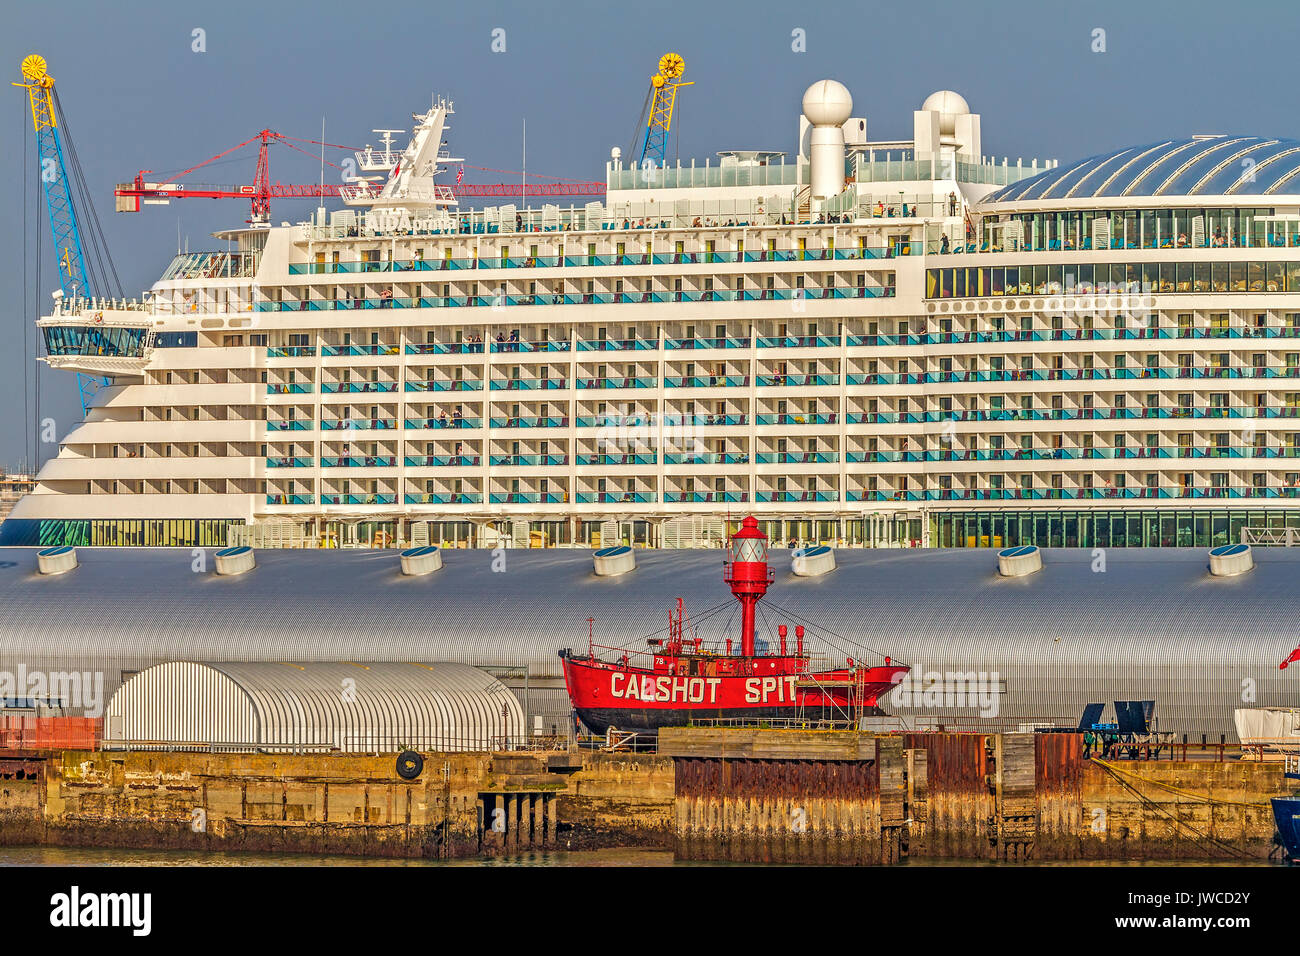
614	561
417	561
1230	559
56	560
812	562
1019	562
235	560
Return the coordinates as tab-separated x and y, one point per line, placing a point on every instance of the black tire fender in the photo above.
409	765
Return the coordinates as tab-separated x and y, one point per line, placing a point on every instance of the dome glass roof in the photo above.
1197	166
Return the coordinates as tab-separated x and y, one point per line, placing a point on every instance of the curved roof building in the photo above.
1090	626
348	706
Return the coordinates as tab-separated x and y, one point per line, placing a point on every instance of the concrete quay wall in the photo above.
736	794
461	804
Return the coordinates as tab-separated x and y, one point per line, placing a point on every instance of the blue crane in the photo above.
74	279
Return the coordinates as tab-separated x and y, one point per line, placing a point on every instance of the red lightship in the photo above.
680	681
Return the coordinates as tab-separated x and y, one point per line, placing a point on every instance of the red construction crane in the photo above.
262	191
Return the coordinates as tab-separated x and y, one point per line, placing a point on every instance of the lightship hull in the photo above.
642	700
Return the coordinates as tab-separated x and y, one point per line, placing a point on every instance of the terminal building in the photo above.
861	342
988	650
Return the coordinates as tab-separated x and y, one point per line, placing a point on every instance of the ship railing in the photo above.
615	740
630	652
1278	745
1271	537
776	723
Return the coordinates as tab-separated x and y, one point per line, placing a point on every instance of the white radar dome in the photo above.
827	103
949	106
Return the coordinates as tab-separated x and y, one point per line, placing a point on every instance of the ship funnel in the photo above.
56	560
1231	559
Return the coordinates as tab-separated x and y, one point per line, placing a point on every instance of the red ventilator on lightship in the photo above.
679	681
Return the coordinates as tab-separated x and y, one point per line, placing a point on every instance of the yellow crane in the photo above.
663	97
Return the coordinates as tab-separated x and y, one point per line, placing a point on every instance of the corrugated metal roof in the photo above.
1190	166
346	706
1154	624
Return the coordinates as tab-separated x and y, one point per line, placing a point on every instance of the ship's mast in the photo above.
748	575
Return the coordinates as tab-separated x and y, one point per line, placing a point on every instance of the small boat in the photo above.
1286	809
678	680
1286	813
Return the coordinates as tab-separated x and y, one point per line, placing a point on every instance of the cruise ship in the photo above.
862	343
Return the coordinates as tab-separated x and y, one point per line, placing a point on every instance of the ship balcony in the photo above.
445	348
359	461
355	387
724	374
347	445
378	423
632	489
529	421
781	414
634	413
528	498
435	491
528	461
518	491
291	351
615	497
706	381
365	498
443	385
617	382
614	460
443	421
511	343
347	491
714	458
688	489
617	345
701	497
451	498
526	384
693	342
524	453
797	379
797	457
466	460
288	499
352	406
290	425
784	341
330	351
793	496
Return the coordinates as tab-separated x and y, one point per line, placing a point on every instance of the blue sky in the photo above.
138	96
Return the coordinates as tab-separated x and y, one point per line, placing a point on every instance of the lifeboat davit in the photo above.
678	681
